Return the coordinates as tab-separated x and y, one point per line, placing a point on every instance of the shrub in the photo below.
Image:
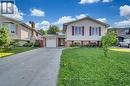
14	43
28	44
36	44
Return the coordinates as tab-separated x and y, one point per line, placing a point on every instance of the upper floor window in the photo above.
95	31
78	30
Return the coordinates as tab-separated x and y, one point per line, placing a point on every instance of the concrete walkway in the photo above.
33	68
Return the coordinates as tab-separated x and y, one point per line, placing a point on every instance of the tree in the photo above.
42	32
108	40
53	29
4	36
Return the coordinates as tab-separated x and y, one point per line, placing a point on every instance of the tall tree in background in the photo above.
53	29
4	36
42	32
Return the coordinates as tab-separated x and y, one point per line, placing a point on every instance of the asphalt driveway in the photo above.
33	68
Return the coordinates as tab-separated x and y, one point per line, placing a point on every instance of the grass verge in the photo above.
8	52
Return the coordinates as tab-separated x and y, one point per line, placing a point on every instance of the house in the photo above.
20	31
84	31
122	33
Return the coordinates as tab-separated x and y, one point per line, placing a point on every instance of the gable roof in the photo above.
21	23
89	18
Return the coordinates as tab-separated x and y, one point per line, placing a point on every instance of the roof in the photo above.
21	23
89	18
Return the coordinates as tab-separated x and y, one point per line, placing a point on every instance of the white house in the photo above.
84	31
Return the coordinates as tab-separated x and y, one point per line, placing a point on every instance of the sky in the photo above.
47	12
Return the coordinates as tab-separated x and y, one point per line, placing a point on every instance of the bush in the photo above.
36	44
28	44
90	45
14	43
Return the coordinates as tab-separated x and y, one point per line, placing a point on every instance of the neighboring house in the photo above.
84	31
122	33
20	31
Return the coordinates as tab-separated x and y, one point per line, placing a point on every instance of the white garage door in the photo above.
51	42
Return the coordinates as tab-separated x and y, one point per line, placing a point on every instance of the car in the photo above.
125	43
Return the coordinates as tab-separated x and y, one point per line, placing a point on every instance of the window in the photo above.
78	30
12	28
127	32
4	24
95	31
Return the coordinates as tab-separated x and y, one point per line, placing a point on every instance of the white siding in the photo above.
86	24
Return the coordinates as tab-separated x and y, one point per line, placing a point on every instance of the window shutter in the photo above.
72	30
90	31
99	31
16	28
83	31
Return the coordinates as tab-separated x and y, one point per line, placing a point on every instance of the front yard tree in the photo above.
108	40
53	29
4	36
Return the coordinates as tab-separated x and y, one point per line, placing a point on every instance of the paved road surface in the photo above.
33	68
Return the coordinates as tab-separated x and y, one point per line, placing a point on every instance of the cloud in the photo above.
93	1
88	1
81	16
64	19
125	10
17	14
43	25
37	12
106	1
124	23
102	20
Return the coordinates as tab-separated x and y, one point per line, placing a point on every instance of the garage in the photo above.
51	42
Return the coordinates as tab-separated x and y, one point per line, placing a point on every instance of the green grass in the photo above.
8	52
89	67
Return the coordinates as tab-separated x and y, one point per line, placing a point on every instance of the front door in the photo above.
61	42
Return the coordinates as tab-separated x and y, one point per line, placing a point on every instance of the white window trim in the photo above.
79	30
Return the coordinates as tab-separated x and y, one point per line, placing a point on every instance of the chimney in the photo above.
32	24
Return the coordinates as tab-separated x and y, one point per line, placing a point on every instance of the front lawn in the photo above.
89	67
8	52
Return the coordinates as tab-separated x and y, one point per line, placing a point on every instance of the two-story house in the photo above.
84	31
19	31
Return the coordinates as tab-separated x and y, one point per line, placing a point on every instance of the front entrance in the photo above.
61	42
